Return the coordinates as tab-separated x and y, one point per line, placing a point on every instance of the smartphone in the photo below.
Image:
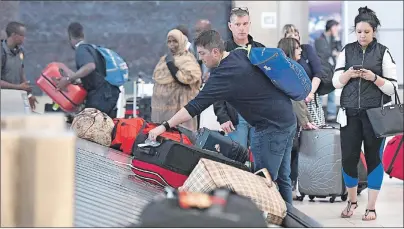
357	67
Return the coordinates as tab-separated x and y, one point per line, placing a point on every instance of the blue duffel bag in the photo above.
285	73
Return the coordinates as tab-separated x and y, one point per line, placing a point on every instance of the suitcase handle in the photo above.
266	174
147	150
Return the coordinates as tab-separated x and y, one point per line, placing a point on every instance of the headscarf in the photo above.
181	39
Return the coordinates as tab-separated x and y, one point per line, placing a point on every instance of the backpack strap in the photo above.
248	49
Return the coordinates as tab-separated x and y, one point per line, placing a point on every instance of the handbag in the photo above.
209	175
387	120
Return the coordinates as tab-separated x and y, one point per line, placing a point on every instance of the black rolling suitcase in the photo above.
297	219
215	141
218	209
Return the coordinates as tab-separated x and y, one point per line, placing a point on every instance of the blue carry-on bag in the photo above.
285	73
117	69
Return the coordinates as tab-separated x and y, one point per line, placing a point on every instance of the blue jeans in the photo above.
331	106
243	132
271	149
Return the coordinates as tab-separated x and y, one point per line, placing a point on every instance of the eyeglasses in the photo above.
235	9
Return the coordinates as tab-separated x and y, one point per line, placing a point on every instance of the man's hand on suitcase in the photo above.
156	132
62	83
227	127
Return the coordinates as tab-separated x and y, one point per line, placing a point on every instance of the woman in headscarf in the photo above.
177	79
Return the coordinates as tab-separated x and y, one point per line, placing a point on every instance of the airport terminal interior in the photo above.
106	191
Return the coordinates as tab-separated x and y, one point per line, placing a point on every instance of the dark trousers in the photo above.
104	99
358	130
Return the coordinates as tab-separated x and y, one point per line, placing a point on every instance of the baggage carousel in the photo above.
106	193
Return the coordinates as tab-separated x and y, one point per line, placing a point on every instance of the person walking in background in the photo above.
362	89
12	61
91	70
328	46
312	65
292	49
237	128
177	79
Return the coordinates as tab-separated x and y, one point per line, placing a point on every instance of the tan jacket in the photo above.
302	112
169	96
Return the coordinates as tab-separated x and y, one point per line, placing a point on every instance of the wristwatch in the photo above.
375	78
166	125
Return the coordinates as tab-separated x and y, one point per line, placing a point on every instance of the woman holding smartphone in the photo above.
366	72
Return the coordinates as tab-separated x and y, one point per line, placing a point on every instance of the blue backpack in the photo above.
285	73
117	72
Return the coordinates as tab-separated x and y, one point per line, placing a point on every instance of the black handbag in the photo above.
387	120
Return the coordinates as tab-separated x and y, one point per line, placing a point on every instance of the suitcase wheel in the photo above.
345	197
332	199
301	197
311	197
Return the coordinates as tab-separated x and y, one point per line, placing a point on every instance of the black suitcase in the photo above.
297	219
225	210
171	162
215	141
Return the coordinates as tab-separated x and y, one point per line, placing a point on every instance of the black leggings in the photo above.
358	130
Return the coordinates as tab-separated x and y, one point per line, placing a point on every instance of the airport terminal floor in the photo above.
389	208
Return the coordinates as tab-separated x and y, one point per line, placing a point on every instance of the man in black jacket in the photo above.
230	121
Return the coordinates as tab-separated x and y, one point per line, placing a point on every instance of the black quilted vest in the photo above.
360	93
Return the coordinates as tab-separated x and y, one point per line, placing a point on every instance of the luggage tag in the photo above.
341	117
149	142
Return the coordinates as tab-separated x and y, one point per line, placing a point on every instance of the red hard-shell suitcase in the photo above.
68	99
393	158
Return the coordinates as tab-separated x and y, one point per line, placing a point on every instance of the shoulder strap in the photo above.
248	48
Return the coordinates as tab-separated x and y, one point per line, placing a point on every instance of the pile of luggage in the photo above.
194	169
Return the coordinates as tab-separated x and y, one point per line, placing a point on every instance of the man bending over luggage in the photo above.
91	70
235	80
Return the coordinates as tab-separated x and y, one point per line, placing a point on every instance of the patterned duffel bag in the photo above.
209	175
93	125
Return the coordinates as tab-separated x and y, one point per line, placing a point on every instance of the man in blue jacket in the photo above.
235	80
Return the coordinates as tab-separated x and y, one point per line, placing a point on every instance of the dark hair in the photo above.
76	30
288	45
13	27
329	24
184	30
369	16
209	40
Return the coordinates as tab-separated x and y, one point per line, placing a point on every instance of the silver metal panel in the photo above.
320	167
106	193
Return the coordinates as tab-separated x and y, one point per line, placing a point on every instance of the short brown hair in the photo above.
210	39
